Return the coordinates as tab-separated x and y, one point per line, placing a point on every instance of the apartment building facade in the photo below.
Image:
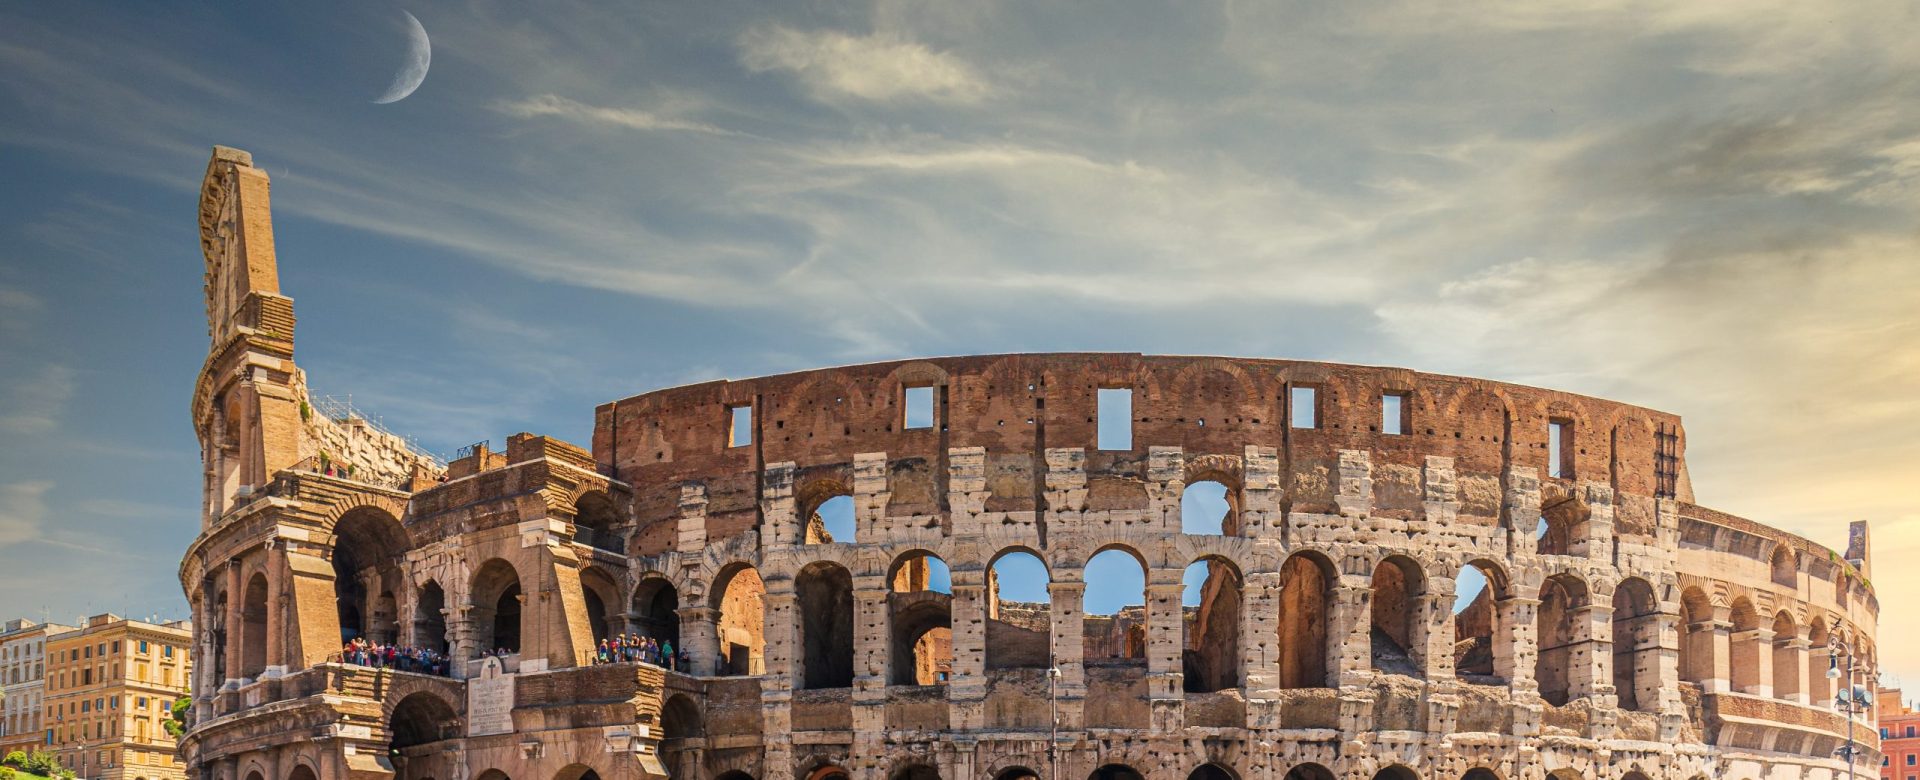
109	688
23	646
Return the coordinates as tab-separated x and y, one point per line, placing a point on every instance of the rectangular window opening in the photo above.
740	433
1305	409
1559	440
1393	414
1114	408
919	412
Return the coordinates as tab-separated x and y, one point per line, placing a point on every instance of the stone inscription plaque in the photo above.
490	701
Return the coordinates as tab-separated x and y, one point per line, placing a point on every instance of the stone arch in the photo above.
735	774
739	598
576	772
430	617
1204	475
1210	652
655	609
1819	688
600	592
368	547
680	718
496	606
1306	595
492	774
1636	645
921	621
1559	635
1398	630
808	499
1785	566
1212	771
1482	630
1787	665
1696	636
1562	528
1016	773
1106	636
1743	663
828	772
255	602
1395	772
915	771
1017	632
420	718
1480	773
1309	771
1115	772
823	593
597	520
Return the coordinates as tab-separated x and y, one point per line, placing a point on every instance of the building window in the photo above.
167	651
1910	757
740	433
1305	412
143	646
1113	406
1909	731
1559	448
919	408
1393	414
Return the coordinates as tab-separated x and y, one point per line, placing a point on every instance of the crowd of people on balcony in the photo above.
633	648
418	660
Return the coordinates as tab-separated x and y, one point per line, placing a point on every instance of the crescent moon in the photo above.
419	56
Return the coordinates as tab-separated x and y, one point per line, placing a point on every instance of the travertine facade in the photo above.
1623	632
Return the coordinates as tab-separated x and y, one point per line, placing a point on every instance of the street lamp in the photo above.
1850	699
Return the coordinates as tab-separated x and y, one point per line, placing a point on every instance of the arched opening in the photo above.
369	547
219	612
1115	772
1483	643
1636	646
824	599
421	718
656	610
1787	666
600	595
253	627
1019	612
829	773
430	618
1395	772
576	772
1212	772
1696	636
300	772
832	522
1743	662
1210	603
1560	597
1306	583
680	718
1115	604
493	774
1562	527
496	607
915	772
1398	634
1786	567
1209	508
596	521
741	599
1309	772
920	603
1480	773
735	775
1819	688
1017	773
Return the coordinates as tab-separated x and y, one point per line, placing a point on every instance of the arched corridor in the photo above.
824	600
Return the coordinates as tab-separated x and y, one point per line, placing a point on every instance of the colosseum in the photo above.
886	571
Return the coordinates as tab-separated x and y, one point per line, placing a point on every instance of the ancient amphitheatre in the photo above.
1623	631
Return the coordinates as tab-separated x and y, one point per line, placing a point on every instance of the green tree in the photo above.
176	723
16	759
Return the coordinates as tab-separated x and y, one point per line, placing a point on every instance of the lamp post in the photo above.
1849	700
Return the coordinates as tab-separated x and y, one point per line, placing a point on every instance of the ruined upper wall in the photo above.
1018	406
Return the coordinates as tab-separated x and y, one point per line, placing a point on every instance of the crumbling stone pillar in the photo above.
692	536
1166	691
1516	643
967	685
872	650
1433	630
1590	659
700	638
1259	651
1350	631
870	494
1166	481
779	520
1260	494
1067	594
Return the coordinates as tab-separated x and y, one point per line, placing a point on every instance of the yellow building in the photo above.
109	686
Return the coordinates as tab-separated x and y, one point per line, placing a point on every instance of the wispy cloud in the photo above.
36	401
871	67
23	510
629	118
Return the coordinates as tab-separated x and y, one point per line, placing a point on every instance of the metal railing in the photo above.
342	410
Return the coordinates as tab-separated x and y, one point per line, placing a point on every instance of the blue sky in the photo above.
1704	208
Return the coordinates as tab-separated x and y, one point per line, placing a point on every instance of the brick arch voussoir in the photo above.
399	688
1237	550
394	507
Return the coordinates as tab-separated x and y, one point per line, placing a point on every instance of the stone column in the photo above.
1166	689
700	637
1711	647
1260	495
872	643
1260	649
1433	630
870	494
781	678
967	685
1516	642
236	622
1068	597
279	606
1350	631
1750	652
691	534
1790	665
1590	659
